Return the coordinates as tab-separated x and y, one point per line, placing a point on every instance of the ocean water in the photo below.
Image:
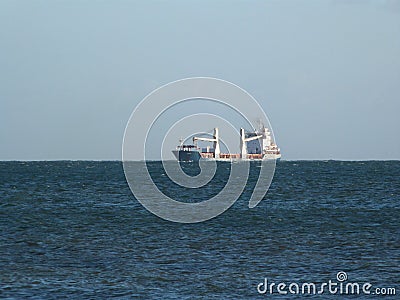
72	229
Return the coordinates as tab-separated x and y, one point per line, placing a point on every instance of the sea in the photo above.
74	230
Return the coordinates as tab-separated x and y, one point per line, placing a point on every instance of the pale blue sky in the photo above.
327	73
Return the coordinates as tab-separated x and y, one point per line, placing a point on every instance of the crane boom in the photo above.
253	138
203	139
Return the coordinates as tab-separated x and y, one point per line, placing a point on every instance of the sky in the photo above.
326	72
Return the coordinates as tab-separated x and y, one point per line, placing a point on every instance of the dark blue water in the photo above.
74	230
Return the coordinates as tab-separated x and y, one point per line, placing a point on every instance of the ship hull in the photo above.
196	156
186	155
242	159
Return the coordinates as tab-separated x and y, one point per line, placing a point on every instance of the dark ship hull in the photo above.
183	155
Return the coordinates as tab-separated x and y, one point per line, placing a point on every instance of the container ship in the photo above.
256	145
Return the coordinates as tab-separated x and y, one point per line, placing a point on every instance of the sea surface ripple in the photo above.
72	229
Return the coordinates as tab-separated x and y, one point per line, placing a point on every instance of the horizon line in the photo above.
159	160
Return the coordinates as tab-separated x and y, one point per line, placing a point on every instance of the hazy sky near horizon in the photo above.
327	73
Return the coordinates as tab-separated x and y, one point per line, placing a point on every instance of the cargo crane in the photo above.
215	141
244	140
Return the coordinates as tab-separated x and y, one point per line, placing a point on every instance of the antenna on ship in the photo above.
260	124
